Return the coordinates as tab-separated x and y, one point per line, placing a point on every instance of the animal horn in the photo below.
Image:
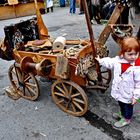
43	31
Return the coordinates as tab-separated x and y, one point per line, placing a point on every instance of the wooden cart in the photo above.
70	68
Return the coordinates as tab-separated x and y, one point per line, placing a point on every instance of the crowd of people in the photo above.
102	9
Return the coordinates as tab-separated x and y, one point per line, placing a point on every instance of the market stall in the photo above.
18	8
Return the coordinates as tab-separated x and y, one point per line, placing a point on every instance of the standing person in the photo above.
49	4
81	8
124	17
72	6
90	9
108	9
96	10
93	11
126	82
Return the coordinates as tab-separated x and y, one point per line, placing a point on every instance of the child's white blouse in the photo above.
125	86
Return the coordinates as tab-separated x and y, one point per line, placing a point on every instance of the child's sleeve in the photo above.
107	62
137	84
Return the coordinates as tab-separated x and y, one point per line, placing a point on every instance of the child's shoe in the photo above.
117	115
121	123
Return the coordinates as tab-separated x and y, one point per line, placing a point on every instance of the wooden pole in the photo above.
112	20
89	27
91	39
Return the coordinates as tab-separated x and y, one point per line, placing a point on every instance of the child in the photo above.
126	81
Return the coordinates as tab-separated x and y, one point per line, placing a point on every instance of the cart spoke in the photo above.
70	90
65	89
67	105
60	89
77	105
30	89
74	95
27	78
59	94
30	84
73	107
78	100
60	101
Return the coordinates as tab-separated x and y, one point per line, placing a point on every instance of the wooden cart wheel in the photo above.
26	85
70	97
106	75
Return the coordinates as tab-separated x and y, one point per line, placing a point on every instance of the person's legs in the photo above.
96	14
123	19
74	6
90	9
71	6
47	10
111	9
81	8
52	9
126	112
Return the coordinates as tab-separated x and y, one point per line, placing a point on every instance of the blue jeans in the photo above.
72	6
126	110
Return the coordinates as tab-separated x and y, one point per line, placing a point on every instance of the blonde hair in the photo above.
128	44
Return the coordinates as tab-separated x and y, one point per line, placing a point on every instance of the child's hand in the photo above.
97	58
134	101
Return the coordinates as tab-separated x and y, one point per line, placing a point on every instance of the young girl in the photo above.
126	81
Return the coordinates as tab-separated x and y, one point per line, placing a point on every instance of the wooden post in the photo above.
113	19
91	39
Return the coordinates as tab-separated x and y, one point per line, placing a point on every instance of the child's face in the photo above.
131	56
